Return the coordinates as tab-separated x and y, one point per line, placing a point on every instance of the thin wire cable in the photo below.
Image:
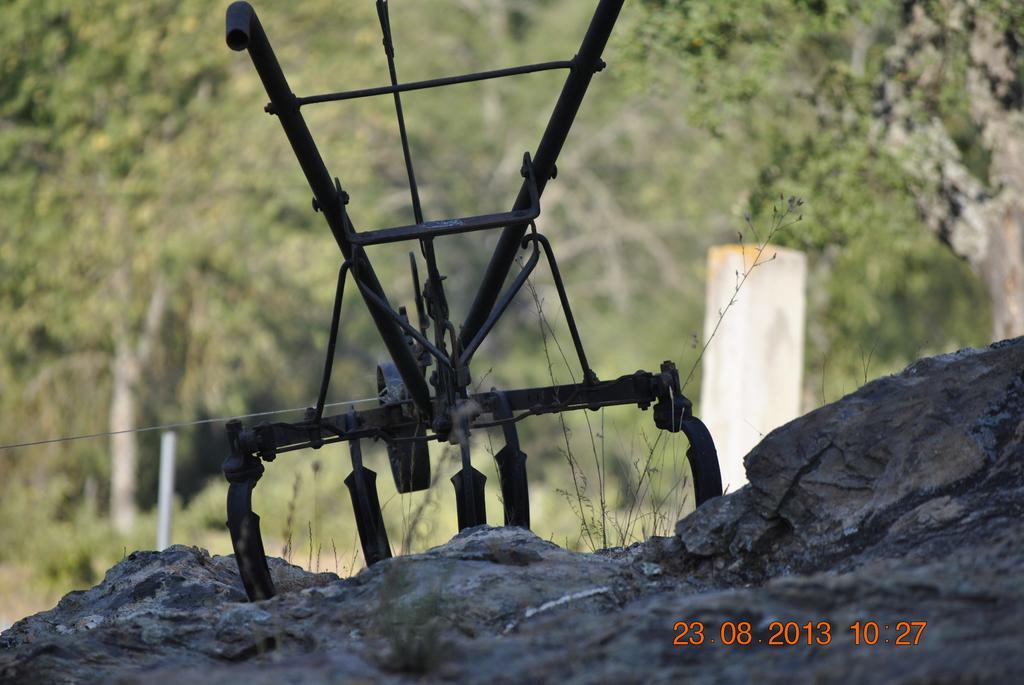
182	424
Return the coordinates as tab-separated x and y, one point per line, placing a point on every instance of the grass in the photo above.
289	522
657	497
410	620
600	524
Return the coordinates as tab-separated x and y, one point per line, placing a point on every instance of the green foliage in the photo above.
795	82
876	264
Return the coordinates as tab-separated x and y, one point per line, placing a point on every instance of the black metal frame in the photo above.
410	415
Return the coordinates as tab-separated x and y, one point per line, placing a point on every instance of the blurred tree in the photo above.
803	84
79	108
134	267
951	99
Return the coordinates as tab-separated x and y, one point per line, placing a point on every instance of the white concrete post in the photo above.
752	370
165	499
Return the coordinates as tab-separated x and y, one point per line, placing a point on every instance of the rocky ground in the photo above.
901	503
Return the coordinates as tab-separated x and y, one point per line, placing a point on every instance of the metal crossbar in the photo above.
432	83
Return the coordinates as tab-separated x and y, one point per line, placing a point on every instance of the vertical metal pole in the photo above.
389	52
168	440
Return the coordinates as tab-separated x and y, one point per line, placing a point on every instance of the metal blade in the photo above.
243	471
511	460
469	497
514	488
362	485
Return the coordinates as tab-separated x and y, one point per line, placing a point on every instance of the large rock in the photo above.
901	502
902	467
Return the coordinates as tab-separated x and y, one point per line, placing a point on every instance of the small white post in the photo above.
165	499
752	370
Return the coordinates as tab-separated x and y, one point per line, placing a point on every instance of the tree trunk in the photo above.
124	446
981	219
126	373
1004	273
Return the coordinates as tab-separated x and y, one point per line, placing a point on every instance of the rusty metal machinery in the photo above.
416	407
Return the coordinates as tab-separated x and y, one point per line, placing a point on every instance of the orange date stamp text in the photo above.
793	633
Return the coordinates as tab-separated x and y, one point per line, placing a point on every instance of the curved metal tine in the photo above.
243	472
244	526
332	341
469	486
511	460
362	486
588	374
499	309
703	458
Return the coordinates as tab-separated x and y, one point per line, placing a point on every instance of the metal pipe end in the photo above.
239	20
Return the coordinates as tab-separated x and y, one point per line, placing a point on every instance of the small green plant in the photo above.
781	220
290	520
410	621
593	526
414	518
